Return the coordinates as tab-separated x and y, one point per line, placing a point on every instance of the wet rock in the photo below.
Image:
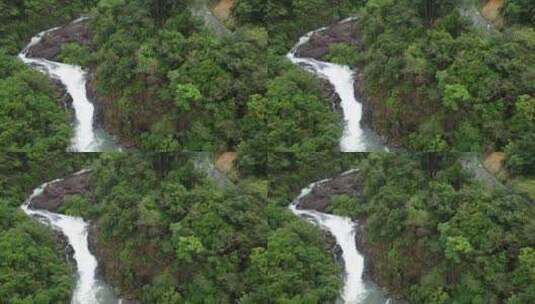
90	86
371	254
338	254
361	239
50	45
328	93
54	194
64	98
367	106
63	243
318	46
370	110
320	197
104	118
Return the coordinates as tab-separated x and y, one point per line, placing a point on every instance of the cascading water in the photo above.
356	290
89	289
355	138
86	137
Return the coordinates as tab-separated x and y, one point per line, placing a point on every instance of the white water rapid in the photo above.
355	138
89	289
86	138
356	290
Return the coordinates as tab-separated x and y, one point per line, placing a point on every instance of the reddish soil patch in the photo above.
225	162
223	9
494	162
492	11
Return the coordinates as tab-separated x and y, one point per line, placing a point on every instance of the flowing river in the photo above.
355	138
356	290
90	289
87	138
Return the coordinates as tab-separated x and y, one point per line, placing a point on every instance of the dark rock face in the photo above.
50	46
371	111
64	98
105	115
68	251
54	194
321	195
361	239
367	106
371	254
98	118
319	43
328	93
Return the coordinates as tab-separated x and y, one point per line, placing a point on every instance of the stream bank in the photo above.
43	54
52	198
317	199
72	235
341	85
47	201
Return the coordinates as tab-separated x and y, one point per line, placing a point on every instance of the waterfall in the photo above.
89	289
355	138
74	78
356	290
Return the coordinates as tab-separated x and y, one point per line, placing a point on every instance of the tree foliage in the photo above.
30	117
33	267
165	226
441	84
436	235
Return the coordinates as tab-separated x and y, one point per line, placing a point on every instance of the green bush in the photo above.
74	53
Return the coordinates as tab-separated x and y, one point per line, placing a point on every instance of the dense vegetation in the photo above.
24	18
286	21
434	81
32	267
442	84
167	234
32	262
437	236
171	84
31	117
520	11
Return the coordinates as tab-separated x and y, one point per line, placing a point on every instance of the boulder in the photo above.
54	194
318	45
50	45
320	197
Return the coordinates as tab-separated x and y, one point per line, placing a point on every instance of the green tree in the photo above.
455	96
186	95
